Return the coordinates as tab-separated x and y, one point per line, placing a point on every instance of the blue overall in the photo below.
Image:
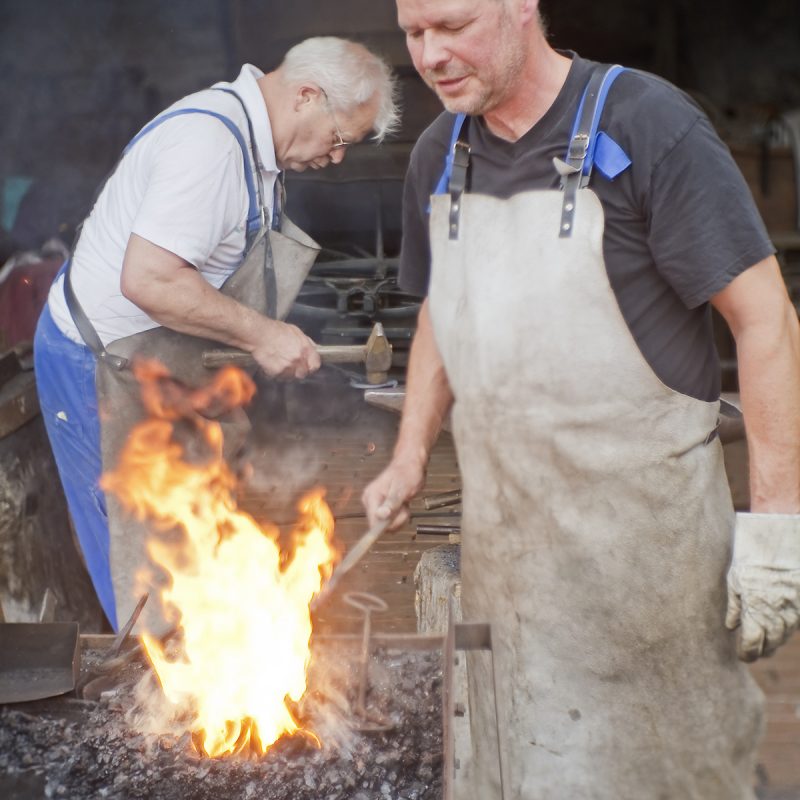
65	379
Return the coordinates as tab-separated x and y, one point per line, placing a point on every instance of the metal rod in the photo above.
443	499
436	530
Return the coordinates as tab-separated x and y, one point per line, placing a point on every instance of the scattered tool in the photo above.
442	499
356	553
101	678
436	530
367	719
376	355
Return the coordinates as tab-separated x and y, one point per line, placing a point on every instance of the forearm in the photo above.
428	395
428	399
769	379
174	294
185	302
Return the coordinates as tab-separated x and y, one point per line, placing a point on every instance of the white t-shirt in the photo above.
182	187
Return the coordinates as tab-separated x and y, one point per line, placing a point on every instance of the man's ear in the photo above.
307	93
528	9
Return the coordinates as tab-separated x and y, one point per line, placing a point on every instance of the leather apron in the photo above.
596	527
289	253
276	262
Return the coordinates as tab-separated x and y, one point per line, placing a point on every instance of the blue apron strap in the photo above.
458	123
253	211
589	126
576	168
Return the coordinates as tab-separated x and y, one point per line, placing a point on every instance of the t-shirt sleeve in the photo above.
193	198
703	225
415	252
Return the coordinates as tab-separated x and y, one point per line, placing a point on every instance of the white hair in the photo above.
349	74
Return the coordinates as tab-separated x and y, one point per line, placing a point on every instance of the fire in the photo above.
243	603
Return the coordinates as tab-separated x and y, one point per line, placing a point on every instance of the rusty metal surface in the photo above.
37	549
19	403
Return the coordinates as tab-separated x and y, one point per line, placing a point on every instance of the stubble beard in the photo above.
491	90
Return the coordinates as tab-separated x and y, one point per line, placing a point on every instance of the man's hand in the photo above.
284	351
388	496
427	402
764	582
173	293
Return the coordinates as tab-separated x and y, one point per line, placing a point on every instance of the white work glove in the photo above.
764	582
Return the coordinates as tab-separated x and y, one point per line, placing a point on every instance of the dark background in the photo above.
79	77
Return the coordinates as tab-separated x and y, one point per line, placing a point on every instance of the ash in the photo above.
73	748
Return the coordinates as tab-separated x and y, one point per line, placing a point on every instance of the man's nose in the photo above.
434	53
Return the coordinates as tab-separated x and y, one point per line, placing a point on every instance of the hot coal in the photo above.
74	748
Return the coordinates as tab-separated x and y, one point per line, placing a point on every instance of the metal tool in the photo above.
376	355
354	555
101	678
368	719
442	499
436	530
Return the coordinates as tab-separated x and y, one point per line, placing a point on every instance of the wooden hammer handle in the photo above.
330	354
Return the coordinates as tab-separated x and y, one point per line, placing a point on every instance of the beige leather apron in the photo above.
267	281
596	528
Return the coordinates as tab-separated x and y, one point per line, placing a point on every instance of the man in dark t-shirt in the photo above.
567	324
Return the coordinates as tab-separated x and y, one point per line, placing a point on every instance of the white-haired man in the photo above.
187	243
571	253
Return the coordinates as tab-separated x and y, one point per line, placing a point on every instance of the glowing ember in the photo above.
243	604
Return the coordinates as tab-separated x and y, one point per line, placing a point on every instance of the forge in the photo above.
370	729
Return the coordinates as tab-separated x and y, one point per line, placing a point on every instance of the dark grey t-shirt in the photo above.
680	221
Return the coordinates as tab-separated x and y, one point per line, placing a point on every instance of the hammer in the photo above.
376	355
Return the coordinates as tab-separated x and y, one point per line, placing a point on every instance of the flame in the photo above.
243	604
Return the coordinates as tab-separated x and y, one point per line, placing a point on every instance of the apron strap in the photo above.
456	165
254	151
581	151
576	167
255	215
458	177
444	178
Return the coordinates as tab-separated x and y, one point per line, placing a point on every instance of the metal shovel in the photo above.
38	659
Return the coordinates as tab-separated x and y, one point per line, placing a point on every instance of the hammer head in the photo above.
377	355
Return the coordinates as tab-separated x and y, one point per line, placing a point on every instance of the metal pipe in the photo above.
442	499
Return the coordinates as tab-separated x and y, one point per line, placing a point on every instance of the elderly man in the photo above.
187	243
570	267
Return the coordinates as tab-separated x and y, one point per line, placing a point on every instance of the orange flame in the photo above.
243	604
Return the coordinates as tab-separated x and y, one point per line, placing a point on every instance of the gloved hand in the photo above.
764	582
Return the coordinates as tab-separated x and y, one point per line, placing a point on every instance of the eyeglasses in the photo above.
340	142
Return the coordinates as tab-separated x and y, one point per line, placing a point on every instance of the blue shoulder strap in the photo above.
600	149
576	168
603	152
253	211
458	123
